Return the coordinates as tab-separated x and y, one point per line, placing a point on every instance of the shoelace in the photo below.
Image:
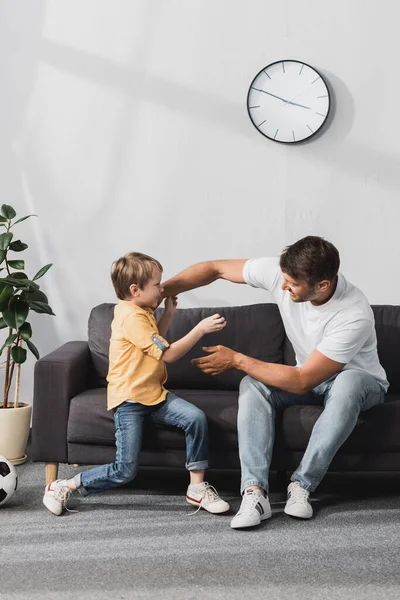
62	494
210	494
249	501
299	494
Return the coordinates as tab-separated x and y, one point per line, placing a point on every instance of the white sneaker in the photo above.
298	502
255	507
56	496
206	497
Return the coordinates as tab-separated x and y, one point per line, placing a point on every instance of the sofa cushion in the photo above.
256	330
90	422
387	325
377	429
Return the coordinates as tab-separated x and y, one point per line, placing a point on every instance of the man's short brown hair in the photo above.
312	259
133	268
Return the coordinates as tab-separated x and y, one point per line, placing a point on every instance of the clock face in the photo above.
288	101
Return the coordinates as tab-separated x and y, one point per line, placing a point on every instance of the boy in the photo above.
136	392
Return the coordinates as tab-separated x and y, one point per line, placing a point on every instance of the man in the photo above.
331	327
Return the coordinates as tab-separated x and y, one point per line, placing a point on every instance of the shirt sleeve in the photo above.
262	273
140	332
342	343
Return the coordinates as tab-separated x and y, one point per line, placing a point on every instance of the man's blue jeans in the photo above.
129	420
343	397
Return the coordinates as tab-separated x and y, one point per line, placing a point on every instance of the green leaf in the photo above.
18	246
2	255
25	331
23	219
5	294
8	212
42	271
5	239
16	313
33	349
23	284
3	220
37	296
10	340
41	307
16	264
3	324
19	275
18	354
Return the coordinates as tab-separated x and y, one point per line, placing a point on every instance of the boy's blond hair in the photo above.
133	268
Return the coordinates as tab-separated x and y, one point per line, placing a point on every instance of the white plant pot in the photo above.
14	432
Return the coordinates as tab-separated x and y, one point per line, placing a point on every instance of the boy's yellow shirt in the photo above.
136	369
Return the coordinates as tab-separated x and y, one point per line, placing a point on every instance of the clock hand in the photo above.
283	99
295	104
300	93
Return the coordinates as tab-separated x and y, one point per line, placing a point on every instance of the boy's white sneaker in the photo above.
56	496
255	507
206	496
298	501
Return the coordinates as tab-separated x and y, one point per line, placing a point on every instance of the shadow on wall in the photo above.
19	60
355	160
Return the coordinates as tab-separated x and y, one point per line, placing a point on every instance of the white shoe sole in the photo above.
214	511
52	505
292	512
245	524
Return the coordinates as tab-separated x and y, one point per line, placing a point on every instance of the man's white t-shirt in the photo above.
343	329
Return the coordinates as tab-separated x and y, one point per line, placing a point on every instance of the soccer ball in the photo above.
8	480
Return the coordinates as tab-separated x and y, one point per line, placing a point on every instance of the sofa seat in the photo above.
91	423
377	429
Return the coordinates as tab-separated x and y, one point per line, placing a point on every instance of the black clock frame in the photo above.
276	62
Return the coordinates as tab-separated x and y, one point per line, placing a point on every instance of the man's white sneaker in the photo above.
56	496
206	496
255	507
298	502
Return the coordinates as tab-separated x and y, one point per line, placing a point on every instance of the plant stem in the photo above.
6	386
9	383
17	378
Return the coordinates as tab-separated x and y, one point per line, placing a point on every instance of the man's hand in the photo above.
219	360
171	304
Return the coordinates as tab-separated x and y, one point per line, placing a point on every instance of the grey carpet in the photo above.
140	542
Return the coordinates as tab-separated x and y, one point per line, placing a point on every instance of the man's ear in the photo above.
134	290
324	285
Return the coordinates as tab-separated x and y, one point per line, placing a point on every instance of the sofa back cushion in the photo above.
387	325
255	330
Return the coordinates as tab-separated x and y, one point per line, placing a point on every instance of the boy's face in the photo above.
151	295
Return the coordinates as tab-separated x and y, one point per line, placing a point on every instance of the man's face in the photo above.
299	289
151	295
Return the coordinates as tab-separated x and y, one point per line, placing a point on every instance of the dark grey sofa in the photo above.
71	423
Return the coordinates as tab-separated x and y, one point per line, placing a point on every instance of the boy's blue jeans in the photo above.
129	420
343	397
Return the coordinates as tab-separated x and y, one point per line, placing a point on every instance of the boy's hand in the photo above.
211	324
171	303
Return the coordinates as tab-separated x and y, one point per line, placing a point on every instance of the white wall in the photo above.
124	127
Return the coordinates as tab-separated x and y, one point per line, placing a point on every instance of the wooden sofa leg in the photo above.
51	472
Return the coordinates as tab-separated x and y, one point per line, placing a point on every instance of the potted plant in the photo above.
18	296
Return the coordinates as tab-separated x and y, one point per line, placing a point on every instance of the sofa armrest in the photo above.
58	377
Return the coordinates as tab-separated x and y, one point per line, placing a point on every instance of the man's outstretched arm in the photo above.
204	273
297	380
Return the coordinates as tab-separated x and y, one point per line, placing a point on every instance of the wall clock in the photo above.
288	101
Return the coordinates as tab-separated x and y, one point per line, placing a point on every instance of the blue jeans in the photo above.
129	420
343	397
